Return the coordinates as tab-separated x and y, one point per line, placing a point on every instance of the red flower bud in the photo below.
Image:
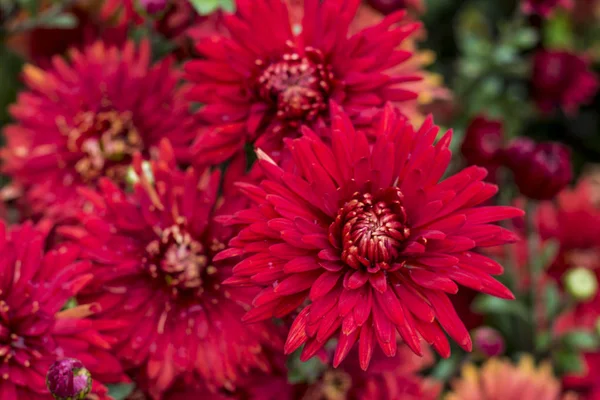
483	142
68	379
488	341
541	170
153	6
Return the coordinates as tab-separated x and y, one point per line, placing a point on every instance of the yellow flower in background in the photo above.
500	379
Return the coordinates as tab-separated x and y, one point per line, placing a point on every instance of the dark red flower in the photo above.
83	120
544	7
270	76
34	287
153	255
387	378
562	79
483	142
541	170
366	240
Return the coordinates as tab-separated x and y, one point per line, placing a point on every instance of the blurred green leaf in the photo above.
526	38
446	368
307	372
228	5
567	361
558	32
62	21
31	6
10	67
205	7
551	300
543	341
581	340
120	391
486	304
72	302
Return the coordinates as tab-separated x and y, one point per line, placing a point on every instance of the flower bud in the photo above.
68	379
541	170
488	341
581	283
153	7
483	142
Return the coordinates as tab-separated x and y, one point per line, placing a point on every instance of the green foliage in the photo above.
10	67
120	391
205	7
486	304
308	371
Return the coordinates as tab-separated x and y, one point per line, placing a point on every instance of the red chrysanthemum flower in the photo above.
35	330
387	379
370	237
562	79
84	119
574	221
270	76
152	250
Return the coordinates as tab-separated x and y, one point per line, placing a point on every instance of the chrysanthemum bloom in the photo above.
35	330
387	378
499	379
429	89
541	170
544	7
574	221
152	251
562	79
69	132
270	76
367	240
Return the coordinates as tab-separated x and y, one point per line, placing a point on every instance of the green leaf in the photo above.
304	372
567	362
543	341
32	6
228	5
551	301
485	304
526	38
205	7
581	340
445	368
121	390
10	67
558	32
62	21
